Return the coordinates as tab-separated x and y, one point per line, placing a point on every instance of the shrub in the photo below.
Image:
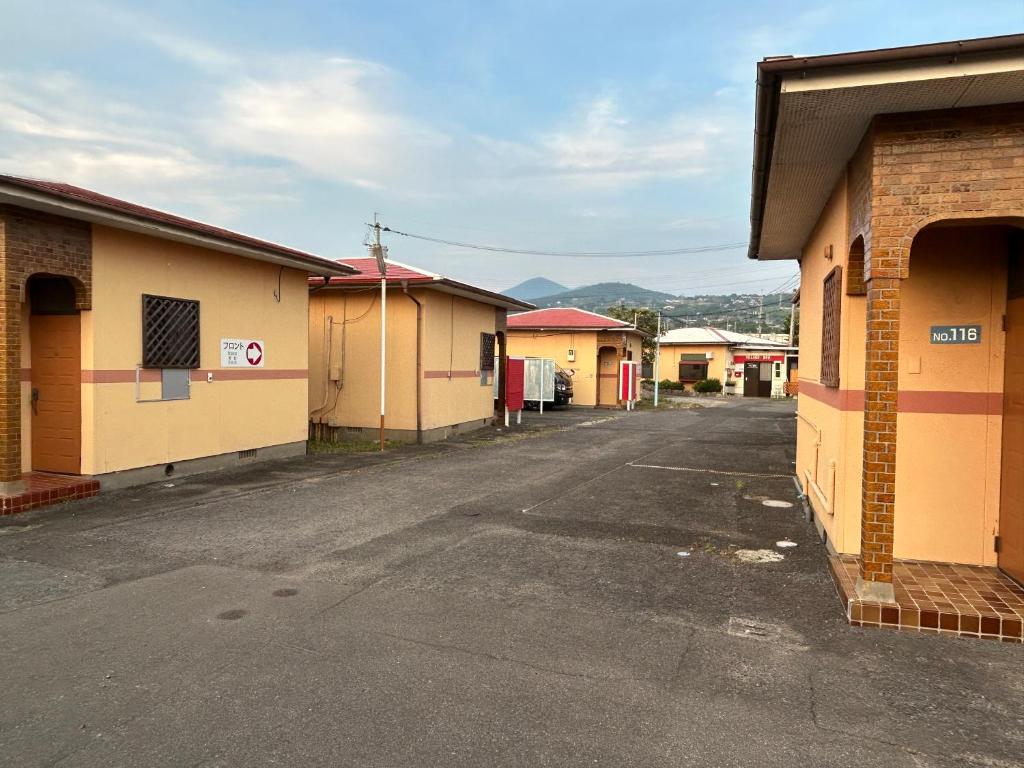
708	385
669	384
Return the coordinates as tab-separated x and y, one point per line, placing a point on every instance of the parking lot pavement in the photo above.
568	593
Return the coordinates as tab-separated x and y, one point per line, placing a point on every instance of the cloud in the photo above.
331	117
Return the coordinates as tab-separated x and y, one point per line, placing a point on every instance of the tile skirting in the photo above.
937	598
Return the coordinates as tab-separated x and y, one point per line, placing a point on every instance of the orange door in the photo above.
1011	502
607	377
56	393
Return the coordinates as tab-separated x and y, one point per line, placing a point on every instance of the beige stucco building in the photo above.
442	339
896	178
744	364
115	322
587	345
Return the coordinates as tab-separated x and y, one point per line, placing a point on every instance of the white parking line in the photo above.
706	471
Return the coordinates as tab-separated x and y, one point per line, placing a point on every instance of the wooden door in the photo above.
751	379
56	393
607	376
1011	501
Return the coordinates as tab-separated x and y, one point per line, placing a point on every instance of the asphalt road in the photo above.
494	601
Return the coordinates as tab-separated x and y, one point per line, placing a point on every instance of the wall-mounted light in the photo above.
828	251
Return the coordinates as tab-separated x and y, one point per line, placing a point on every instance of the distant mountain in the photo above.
533	288
600	296
738	311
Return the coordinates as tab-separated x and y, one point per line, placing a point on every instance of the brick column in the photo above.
10	394
881	388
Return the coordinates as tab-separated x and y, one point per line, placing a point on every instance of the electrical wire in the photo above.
570	254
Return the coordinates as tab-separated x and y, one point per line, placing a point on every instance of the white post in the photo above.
657	361
519	416
506	417
383	349
542	402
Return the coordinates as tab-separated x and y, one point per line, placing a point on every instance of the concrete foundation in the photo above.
153	474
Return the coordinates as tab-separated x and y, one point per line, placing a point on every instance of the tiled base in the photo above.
42	489
944	598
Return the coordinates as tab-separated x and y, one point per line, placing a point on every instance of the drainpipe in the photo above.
419	360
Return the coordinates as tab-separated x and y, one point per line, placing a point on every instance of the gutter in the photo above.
770	72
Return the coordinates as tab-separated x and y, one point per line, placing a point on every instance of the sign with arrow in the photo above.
241	353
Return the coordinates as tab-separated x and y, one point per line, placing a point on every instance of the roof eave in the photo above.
60	205
770	72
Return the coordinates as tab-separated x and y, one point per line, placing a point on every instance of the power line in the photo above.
571	254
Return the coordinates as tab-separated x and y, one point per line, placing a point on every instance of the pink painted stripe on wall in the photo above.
976	403
151	375
911	401
451	374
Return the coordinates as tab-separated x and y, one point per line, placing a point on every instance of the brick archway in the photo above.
31	243
884	279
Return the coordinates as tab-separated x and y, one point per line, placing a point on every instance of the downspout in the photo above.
419	361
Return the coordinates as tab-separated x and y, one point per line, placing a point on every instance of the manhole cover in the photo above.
776	503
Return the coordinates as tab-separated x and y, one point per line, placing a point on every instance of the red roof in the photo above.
398	273
69	192
564	317
368	273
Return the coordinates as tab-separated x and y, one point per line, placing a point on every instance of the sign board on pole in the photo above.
539	373
627	381
514	369
242	353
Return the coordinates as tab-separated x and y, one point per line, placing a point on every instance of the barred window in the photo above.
832	294
487	351
170	332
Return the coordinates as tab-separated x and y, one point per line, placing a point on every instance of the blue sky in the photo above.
555	125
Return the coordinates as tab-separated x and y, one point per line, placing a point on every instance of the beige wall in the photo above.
347	323
830	431
948	465
344	328
556	345
671	353
947	470
236	298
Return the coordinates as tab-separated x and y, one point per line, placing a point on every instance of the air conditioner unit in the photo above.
710	355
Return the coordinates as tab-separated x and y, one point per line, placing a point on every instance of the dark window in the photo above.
832	294
487	351
693	371
170	332
51	296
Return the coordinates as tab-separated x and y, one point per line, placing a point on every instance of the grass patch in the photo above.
347	446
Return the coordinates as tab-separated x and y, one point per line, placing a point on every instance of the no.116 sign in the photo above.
241	353
956	334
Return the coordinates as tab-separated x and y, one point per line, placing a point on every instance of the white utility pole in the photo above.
792	319
760	316
378	254
657	361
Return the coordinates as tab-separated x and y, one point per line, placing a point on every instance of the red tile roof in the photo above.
96	200
368	273
398	273
564	317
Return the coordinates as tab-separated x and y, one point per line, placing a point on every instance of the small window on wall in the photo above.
831	301
693	371
487	351
170	332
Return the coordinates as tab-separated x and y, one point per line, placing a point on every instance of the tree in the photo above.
646	320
